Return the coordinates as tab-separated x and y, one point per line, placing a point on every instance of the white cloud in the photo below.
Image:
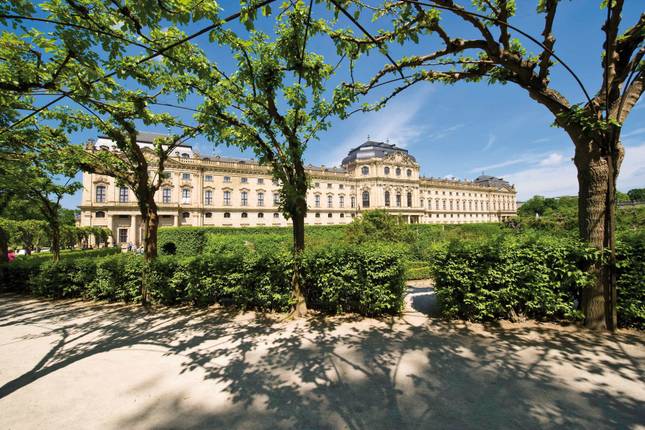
491	141
558	179
632	171
394	123
633	133
552	160
520	160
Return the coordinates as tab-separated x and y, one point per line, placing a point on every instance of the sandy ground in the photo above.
80	365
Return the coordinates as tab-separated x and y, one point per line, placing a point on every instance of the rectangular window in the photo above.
341	201
398	200
276	199
352	201
208	197
208	178
185	176
227	179
244	180
329	186
245	198
260	181
317	201
166	195
330	201
340	186
123	194
227	198
100	194
123	235
260	199
185	196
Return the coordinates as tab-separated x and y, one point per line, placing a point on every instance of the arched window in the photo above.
365	170
409	173
99	214
244	198
398	171
185	215
185	195
184	155
227	214
409	198
386	170
208	214
245	215
100	194
260	215
366	199
387	198
317	214
276	215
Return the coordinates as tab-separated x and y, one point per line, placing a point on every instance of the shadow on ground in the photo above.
344	372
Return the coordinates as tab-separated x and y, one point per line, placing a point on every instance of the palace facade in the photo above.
221	191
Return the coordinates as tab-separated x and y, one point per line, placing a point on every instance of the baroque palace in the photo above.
220	191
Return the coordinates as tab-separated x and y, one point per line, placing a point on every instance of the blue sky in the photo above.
466	129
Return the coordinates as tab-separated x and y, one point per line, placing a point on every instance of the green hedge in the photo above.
631	281
368	279
67	254
539	277
364	279
191	241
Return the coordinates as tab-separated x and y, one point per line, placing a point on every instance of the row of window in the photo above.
365	170
166	196
227	179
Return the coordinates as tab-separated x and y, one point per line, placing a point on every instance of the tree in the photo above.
47	179
273	103
593	126
636	194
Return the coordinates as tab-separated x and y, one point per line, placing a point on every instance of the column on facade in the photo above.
110	225
133	230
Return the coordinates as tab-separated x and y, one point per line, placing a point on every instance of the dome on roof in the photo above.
372	149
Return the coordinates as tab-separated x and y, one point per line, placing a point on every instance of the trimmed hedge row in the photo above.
70	254
367	280
539	277
631	281
190	241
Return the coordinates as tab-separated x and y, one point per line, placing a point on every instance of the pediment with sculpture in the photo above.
400	158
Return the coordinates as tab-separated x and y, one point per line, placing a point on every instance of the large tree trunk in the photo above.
300	305
55	229
151	225
593	179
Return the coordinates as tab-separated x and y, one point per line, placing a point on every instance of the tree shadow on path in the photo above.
355	373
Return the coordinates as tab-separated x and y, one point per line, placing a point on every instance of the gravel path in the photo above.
80	365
